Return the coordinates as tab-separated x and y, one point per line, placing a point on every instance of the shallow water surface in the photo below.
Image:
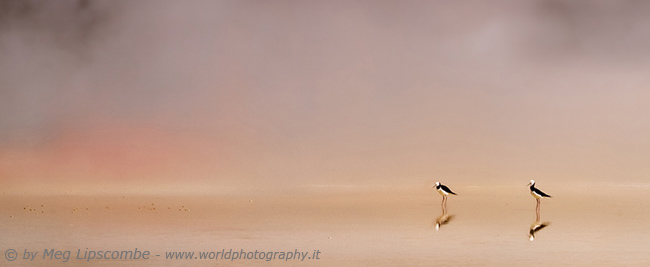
597	226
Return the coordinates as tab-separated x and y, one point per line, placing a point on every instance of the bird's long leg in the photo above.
537	210
444	204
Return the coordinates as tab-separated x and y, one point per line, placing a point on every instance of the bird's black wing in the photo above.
539	192
446	189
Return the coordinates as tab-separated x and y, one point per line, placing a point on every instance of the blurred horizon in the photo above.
236	94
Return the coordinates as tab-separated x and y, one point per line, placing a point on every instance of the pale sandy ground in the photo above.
589	226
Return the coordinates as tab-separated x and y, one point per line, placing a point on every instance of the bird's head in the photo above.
437	184
532	182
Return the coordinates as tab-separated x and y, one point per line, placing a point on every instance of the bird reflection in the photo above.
536	227
442	220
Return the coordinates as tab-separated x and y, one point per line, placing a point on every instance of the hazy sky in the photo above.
324	92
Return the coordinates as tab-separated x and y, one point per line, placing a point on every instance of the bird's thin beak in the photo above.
529	184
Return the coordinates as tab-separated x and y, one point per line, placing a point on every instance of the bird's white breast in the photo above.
535	194
442	192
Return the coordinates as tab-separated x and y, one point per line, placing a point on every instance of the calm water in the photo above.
600	226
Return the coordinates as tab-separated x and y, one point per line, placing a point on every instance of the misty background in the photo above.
278	93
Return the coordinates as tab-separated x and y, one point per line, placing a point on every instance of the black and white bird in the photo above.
538	194
444	191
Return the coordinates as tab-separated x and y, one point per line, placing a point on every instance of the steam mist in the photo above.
322	92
